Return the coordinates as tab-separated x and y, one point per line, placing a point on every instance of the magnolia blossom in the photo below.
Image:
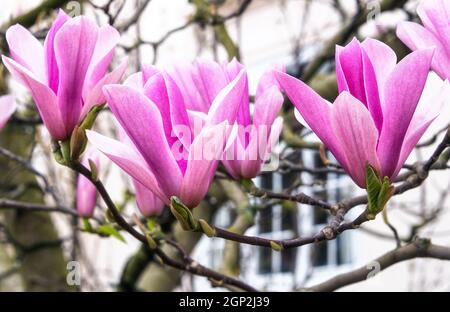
375	119
86	191
65	76
435	32
169	157
7	108
202	81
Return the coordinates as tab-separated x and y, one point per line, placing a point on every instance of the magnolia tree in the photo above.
189	137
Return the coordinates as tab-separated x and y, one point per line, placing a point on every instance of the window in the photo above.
277	222
337	251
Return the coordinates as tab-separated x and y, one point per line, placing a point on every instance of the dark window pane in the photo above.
267	181
318	163
343	249
319	254
288	257
289	217
265	260
265	220
289	178
320	216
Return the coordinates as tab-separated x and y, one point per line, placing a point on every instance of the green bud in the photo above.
94	170
150	241
89	120
206	228
378	192
78	142
183	214
275	246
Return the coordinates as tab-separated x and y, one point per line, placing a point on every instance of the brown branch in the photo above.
188	266
421	248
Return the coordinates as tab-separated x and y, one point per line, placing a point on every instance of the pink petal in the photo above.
383	60
251	168
141	120
95	96
204	155
402	93
49	49
435	16
178	113
148	203
187	78
43	96
212	78
74	47
267	107
155	89
7	108
417	37
269	80
26	50
427	111
148	71
226	104
315	111
357	134
127	159
349	68
108	38
86	191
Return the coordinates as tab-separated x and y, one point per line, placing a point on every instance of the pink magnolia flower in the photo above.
169	158
435	32
202	81
7	108
66	75
375	118
86	191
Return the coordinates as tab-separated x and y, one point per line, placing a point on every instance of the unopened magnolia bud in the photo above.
183	214
88	121
94	170
78	142
275	246
206	228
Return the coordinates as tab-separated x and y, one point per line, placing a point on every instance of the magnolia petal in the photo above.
7	108
267	107
226	104
204	155
427	111
417	37
86	190
269	80
403	90
357	134
434	14
43	96
188	79
52	73
26	50
74	47
108	38
148	203
383	60
141	120
212	78
315	111
96	96
349	66
127	159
